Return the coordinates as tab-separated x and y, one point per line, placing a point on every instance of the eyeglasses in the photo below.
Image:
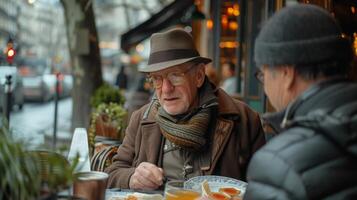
259	75
175	78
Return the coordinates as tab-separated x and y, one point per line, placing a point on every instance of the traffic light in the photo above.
10	51
10	54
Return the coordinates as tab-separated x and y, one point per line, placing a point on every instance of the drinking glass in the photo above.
90	185
174	190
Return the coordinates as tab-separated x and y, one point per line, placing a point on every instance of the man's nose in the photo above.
167	85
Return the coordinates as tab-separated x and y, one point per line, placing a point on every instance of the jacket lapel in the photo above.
152	136
223	131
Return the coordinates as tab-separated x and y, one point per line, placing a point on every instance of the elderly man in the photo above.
190	128
304	60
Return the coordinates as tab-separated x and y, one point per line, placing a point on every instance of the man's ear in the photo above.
200	75
289	73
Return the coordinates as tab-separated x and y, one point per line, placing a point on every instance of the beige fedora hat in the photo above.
171	48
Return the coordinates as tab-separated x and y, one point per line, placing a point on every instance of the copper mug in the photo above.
90	185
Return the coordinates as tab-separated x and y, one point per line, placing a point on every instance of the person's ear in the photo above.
289	74
200	75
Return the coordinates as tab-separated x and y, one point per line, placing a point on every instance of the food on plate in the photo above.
139	196
219	196
231	191
206	192
224	193
142	196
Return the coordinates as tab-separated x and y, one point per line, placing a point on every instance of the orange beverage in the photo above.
181	195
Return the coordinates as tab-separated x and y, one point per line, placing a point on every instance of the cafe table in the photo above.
117	192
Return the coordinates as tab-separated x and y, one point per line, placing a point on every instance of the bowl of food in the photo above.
217	187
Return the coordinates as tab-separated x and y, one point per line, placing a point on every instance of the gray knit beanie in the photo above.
300	34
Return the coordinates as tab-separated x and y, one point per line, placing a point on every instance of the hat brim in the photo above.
164	65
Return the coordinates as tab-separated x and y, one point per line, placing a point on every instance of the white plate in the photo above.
215	183
138	195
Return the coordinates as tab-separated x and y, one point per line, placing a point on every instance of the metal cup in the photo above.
90	185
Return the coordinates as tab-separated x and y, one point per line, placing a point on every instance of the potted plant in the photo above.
31	174
110	120
107	94
19	172
109	117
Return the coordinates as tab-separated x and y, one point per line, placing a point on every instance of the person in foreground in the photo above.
304	60
189	128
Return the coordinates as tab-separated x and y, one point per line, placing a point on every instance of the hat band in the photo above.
173	54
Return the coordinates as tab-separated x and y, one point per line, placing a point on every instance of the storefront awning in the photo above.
168	16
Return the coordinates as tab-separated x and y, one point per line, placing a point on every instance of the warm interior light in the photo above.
236	11
224	20
353	9
209	24
233	25
108	45
230	10
228	44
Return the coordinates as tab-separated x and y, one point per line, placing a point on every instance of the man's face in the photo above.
178	87
274	87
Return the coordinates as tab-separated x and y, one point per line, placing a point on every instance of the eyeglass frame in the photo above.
182	75
259	75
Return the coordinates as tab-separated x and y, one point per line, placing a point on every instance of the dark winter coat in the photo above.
316	156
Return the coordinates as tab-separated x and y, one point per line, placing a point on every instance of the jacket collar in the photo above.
273	120
226	104
282	120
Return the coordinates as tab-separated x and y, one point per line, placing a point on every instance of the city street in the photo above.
34	123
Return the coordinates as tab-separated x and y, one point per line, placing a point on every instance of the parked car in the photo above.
16	86
39	83
67	85
39	87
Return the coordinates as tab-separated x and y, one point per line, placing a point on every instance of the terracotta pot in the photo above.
104	127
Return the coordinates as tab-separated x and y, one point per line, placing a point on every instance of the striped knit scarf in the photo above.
190	131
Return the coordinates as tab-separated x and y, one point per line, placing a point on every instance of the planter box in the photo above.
106	128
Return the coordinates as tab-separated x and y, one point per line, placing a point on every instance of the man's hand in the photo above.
146	176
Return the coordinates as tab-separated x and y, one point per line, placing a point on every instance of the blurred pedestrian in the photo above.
122	79
229	84
304	60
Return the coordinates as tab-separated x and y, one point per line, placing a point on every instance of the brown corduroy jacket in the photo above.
238	134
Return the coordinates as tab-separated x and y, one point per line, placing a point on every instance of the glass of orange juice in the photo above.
174	190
